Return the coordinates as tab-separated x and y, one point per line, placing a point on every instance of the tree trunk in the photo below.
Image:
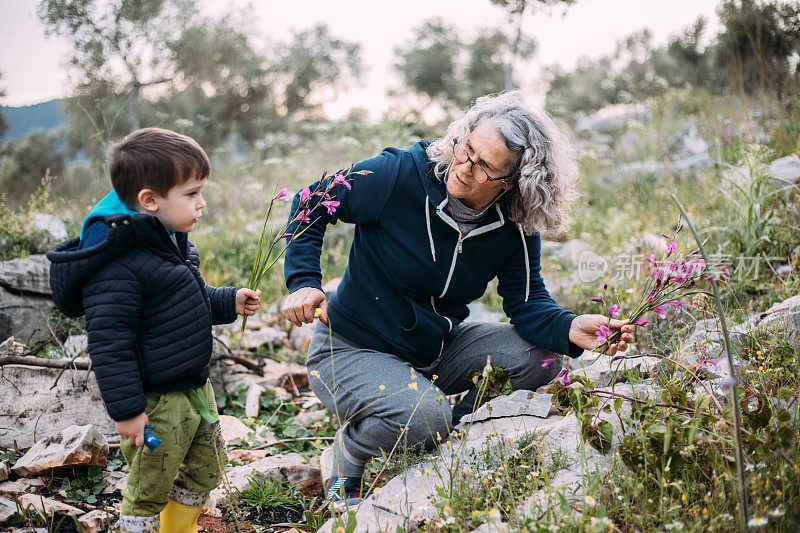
514	50
133	105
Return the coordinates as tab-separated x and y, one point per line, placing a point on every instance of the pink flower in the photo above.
671	247
641	322
678	305
305	194
596	299
603	333
339	179
281	193
657	273
614	311
703	363
302	215
286	235
564	377
331	206
618	357
661	311
651	259
546	361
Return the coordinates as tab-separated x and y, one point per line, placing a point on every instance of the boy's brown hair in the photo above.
157	159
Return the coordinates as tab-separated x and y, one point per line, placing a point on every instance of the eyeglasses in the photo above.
479	172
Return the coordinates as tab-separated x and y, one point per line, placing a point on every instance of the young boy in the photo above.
134	274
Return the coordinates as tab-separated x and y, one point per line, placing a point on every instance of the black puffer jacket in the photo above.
148	311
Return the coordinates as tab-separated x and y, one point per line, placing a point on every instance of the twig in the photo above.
283	441
251	365
47	363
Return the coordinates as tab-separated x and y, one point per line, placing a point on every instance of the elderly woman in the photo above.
434	224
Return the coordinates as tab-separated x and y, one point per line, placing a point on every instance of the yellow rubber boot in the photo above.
179	518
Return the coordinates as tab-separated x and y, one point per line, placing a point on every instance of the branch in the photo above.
46	363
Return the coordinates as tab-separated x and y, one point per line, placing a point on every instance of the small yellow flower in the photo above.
705	510
438	437
315	373
447	510
377	490
412	385
590	501
417	473
317	312
340	529
494	512
427	472
382	387
683	497
486	481
434	377
475	513
318	442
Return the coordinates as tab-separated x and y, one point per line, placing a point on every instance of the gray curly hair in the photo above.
547	174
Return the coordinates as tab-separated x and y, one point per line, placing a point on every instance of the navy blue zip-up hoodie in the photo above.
148	311
411	273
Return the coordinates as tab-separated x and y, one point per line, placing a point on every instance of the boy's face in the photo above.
180	209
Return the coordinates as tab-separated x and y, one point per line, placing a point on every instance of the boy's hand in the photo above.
247	301
133	429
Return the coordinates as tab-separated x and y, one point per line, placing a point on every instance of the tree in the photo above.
436	63
758	42
428	62
160	63
131	34
3	121
25	162
516	10
311	61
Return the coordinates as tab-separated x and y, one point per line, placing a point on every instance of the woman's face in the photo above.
489	150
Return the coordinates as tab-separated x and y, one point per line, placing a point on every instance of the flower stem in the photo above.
737	427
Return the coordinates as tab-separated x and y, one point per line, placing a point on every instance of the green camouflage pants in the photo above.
185	458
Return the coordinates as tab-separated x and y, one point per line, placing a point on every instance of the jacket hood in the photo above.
109	205
71	267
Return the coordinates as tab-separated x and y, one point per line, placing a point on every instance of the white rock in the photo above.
4	470
34	408
96	521
233	428
612	118
264	337
8	510
53	226
252	404
786	168
76	345
47	505
75	445
287	467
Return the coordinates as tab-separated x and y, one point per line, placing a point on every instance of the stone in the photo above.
310	417
330	287
252	403
33	408
47	505
53	227
114	484
4	470
25	298
265	337
76	345
370	517
20	486
96	521
688	142
248	456
8	510
299	338
233	428
75	445
519	402
286	467
28	274
612	118
479	313
786	168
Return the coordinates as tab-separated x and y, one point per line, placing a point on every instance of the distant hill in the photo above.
24	119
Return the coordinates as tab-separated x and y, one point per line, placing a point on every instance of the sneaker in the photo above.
343	491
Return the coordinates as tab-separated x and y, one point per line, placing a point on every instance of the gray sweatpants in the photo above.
377	395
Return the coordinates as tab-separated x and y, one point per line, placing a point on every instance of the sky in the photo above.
32	65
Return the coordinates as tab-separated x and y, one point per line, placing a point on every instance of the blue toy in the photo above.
151	440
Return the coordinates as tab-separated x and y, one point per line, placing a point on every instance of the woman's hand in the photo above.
583	328
299	307
133	429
